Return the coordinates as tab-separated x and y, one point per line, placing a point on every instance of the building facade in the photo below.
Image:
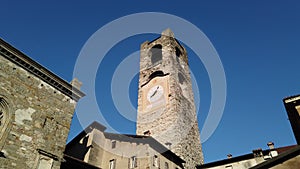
246	161
98	148
36	109
166	108
292	106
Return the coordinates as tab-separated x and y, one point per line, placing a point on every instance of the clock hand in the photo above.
154	92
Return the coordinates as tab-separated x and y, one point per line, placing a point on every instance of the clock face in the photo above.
155	93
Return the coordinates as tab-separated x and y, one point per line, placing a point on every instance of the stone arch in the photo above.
156	53
5	118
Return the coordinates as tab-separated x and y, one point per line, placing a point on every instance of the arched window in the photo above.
178	53
4	118
156	53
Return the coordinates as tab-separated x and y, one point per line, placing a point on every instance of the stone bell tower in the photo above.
166	108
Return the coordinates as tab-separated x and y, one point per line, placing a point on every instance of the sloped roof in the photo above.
287	155
248	156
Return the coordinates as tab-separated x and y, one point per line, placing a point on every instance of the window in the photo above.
112	164
4	120
133	162
155	161
156	53
113	144
3	112
178	53
166	165
45	162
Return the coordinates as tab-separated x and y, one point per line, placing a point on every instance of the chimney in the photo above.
270	145
229	156
257	152
76	83
258	155
273	152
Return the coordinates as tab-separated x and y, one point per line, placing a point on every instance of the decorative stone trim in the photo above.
17	57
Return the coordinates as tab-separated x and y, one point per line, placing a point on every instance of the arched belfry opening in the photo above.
178	52
156	53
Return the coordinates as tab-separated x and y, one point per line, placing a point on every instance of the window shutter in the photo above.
135	161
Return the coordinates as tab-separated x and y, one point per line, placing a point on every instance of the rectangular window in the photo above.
133	162
155	161
112	164
166	165
113	144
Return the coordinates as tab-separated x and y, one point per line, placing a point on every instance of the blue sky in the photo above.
257	42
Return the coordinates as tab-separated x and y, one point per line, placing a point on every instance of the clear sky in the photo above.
258	43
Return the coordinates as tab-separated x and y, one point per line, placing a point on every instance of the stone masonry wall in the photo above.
177	123
39	118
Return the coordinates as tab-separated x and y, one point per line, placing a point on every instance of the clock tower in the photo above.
166	108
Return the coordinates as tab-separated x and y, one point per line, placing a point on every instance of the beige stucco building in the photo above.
118	151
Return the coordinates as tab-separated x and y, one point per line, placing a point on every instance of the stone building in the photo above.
258	157
36	109
274	158
97	148
166	108
292	106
